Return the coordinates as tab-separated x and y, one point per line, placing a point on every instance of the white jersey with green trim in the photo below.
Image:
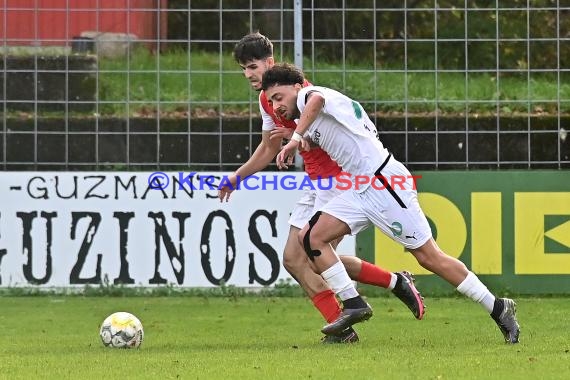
345	132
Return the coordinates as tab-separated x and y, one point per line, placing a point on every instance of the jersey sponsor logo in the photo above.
316	137
357	110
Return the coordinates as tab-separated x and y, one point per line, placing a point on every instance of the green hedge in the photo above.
482	25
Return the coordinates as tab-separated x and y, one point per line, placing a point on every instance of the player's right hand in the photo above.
281	133
224	191
285	157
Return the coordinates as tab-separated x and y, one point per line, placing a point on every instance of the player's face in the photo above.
253	70
284	100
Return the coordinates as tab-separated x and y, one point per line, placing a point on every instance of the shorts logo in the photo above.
412	236
396	228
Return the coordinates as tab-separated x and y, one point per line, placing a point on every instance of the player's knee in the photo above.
423	259
310	239
291	262
291	269
429	258
288	264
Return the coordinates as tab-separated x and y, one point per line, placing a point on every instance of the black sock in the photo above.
497	308
354	303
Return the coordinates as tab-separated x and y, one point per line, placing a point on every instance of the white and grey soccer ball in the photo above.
121	330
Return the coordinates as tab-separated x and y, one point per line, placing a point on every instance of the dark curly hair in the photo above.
282	74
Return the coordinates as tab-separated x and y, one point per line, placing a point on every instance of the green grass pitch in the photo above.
56	337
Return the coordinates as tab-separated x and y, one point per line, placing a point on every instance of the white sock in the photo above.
393	281
473	288
340	283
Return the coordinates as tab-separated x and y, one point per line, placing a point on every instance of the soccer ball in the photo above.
121	330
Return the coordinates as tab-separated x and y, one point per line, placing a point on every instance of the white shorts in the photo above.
313	200
408	226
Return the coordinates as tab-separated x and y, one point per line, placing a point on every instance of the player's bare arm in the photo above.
314	106
263	155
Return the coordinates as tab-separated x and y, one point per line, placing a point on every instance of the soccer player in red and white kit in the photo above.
254	53
341	127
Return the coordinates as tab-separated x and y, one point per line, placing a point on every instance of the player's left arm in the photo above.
313	107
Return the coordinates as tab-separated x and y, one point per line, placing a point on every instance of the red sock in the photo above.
327	304
374	275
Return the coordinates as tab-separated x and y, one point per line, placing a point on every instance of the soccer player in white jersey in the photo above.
341	127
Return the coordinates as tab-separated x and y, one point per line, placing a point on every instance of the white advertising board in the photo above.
60	229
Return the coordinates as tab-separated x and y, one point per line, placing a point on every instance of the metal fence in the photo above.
141	84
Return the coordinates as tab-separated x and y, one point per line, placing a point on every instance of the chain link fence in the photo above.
145	84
